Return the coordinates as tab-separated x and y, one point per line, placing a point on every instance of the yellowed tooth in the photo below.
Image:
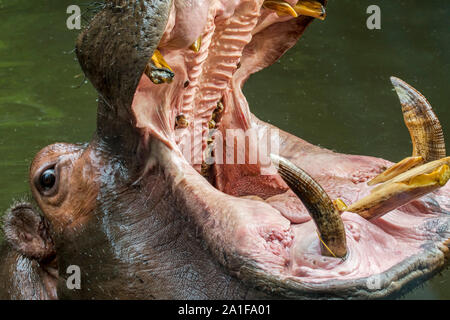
282	8
402	189
219	108
205	170
158	60
211	124
340	205
311	9
158	70
181	121
438	177
396	169
196	45
217	114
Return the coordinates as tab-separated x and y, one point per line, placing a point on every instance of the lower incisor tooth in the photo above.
396	169
403	189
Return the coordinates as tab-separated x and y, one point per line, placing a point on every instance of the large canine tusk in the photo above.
410	179
320	207
424	127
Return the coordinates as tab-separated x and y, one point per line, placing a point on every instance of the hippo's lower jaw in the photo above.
143	217
263	234
252	223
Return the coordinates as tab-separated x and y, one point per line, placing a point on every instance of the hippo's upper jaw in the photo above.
157	206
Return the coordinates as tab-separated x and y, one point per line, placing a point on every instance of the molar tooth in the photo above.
326	217
196	45
311	9
181	121
158	70
205	170
282	8
219	108
218	112
211	124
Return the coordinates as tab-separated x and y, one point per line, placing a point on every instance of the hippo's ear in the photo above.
28	232
115	48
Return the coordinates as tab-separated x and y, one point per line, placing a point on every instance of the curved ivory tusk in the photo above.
425	130
423	125
320	207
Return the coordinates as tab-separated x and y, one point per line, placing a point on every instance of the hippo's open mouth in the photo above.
251	220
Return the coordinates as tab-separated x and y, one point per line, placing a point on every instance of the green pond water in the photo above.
332	89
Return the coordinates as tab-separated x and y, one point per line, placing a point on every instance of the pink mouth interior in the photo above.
274	230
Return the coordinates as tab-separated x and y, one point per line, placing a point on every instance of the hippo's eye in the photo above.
47	179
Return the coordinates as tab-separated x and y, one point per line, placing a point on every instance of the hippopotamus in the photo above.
144	213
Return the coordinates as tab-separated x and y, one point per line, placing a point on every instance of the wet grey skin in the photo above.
136	245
